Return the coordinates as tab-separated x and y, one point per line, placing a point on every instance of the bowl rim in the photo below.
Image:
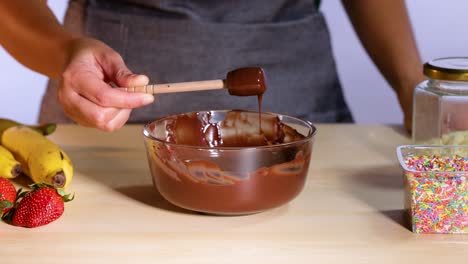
401	158
309	137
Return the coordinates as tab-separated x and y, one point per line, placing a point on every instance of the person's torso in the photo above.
192	40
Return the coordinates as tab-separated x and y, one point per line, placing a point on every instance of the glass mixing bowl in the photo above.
217	162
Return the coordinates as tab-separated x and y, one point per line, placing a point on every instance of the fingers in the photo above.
114	69
119	120
91	65
84	93
91	102
90	86
88	114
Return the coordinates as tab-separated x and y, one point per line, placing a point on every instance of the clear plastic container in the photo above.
440	113
436	188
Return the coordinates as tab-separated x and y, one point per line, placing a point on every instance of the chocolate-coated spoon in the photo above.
247	81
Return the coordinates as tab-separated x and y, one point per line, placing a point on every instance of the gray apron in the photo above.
191	40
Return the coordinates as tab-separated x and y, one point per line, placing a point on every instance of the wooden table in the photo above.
351	211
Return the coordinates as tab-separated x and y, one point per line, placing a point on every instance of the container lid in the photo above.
449	69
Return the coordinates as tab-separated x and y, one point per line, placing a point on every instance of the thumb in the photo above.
125	78
119	73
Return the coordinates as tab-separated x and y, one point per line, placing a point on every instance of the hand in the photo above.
85	94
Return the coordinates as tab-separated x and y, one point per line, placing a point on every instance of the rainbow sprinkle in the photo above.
437	192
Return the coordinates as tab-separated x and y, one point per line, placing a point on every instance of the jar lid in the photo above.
449	69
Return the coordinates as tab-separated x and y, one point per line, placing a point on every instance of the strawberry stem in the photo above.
68	198
20	194
61	192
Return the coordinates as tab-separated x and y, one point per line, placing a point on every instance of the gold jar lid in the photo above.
448	69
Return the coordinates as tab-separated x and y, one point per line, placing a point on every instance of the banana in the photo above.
45	129
9	167
42	160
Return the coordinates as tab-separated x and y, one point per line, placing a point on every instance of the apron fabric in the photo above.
193	40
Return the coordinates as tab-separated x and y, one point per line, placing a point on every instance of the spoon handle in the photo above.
176	87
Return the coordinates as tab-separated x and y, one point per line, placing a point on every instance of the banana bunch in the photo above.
40	158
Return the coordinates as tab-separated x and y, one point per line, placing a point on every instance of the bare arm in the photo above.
384	29
32	34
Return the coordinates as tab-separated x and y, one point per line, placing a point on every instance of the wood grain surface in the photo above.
350	211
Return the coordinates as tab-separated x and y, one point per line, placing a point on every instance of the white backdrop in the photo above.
440	29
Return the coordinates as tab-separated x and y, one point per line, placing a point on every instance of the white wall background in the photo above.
441	29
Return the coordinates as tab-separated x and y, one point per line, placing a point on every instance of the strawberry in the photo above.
40	206
7	196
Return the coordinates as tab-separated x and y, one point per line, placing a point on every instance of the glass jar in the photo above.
440	109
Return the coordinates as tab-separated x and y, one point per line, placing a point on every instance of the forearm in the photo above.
31	33
384	29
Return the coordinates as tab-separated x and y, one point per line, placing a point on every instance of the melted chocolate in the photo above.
238	129
248	81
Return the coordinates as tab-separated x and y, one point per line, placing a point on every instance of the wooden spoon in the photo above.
241	82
